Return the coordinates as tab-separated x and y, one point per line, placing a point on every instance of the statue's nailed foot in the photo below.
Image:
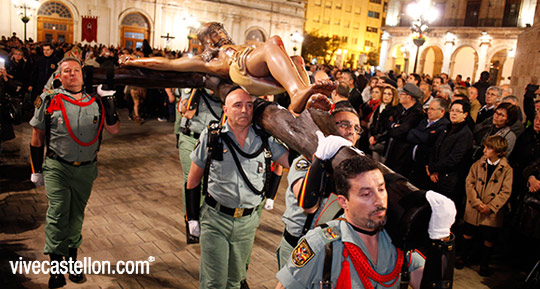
299	100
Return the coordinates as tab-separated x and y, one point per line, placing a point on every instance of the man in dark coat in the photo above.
410	113
45	65
424	136
482	85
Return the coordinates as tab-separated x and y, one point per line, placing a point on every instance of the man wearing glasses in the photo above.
303	209
423	138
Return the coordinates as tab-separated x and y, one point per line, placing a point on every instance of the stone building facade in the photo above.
163	23
467	38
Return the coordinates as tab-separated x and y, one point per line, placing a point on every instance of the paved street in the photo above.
135	212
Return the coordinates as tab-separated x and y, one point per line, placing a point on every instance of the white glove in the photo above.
37	179
103	92
194	228
443	215
329	146
269	204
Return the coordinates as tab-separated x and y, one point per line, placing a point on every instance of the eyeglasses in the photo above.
345	124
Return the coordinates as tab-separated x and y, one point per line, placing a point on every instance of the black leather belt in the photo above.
233	212
54	156
188	132
292	240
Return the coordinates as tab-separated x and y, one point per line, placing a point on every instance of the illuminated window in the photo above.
135	19
54	9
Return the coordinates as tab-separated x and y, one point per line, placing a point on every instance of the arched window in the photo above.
54	9
135	19
135	29
55	22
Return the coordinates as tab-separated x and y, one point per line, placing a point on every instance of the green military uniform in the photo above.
190	129
305	267
70	168
226	241
294	216
178	119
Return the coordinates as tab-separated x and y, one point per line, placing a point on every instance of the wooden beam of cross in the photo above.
167	37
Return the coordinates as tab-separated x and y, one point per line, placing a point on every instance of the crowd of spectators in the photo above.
433	129
429	129
29	66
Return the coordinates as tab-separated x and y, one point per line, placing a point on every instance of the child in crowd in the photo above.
488	187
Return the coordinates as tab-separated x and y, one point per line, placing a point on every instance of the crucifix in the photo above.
167	38
408	208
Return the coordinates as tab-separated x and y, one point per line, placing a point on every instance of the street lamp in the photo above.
296	38
422	14
26	9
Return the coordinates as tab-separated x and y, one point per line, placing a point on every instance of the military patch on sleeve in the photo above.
331	233
302	254
302	164
38	102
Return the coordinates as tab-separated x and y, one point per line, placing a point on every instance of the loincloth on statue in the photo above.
254	85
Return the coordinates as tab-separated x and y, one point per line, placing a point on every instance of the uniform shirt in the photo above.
225	183
294	216
84	122
306	269
202	118
178	119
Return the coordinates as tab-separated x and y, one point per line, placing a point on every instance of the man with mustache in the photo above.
362	253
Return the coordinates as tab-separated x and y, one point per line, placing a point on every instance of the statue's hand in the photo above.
124	60
319	101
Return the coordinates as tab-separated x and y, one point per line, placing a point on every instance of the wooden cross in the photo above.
167	37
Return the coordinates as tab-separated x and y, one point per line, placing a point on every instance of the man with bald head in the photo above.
475	104
234	189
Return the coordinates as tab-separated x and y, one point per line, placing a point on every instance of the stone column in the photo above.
526	68
384	51
448	49
485	40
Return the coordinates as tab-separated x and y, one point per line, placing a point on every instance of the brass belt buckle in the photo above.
238	212
76	163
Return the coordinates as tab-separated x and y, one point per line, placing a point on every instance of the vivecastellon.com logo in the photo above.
86	266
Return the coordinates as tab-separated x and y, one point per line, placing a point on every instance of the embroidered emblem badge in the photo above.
302	165
38	102
302	254
331	233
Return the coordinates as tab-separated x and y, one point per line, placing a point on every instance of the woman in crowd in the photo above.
366	93
505	114
382	118
448	162
369	107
